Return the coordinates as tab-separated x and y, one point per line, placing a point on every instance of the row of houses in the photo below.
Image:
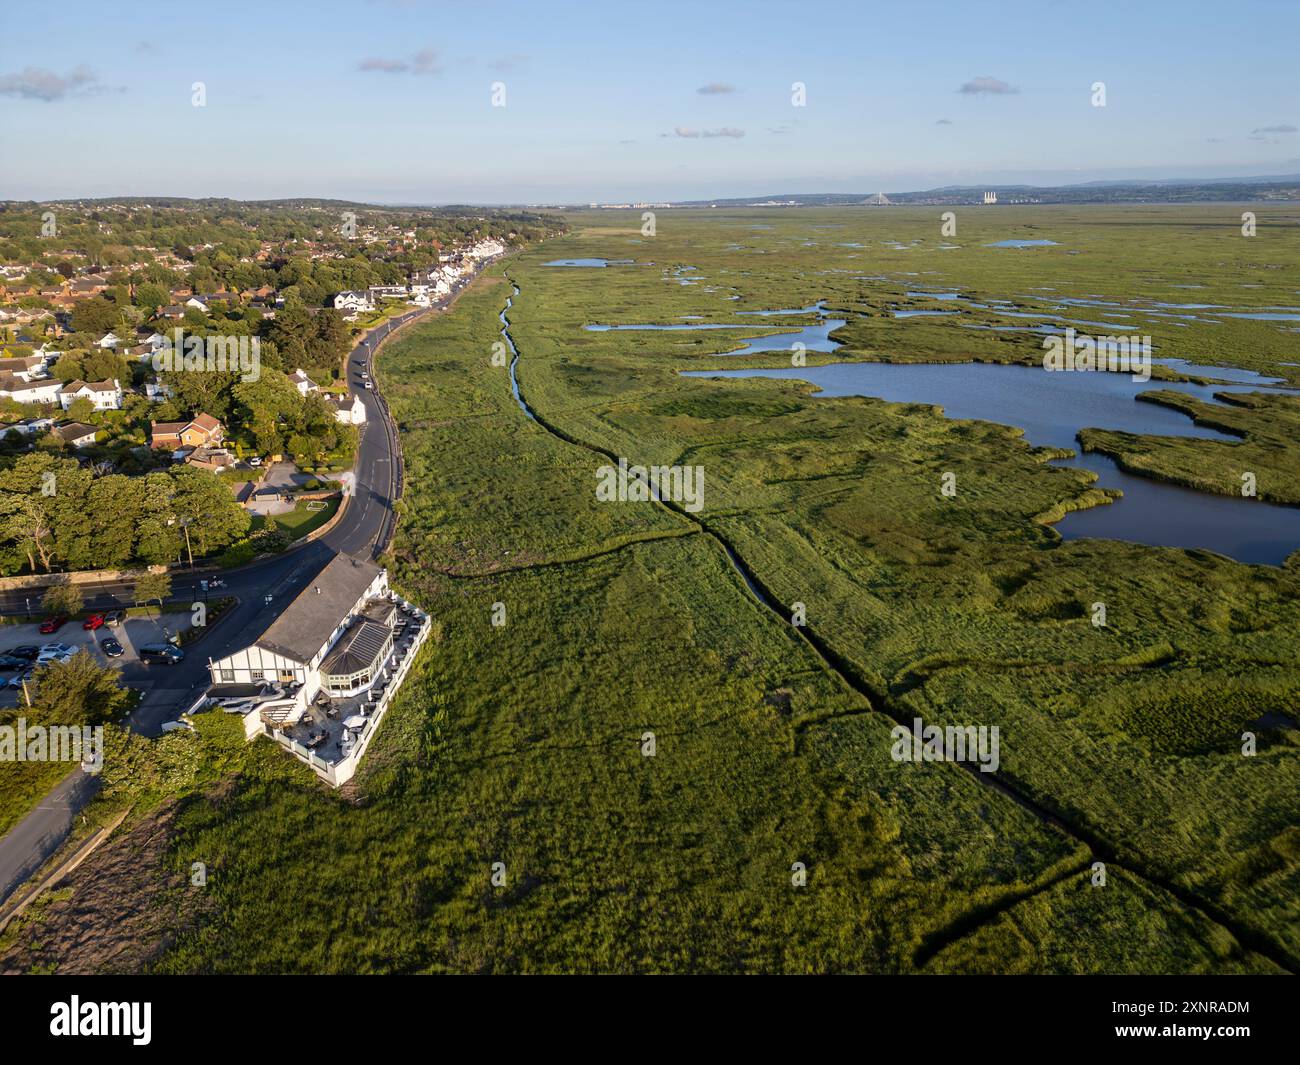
423	286
103	395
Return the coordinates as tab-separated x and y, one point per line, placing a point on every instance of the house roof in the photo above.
206	422
94	386
319	609
167	428
73	431
357	649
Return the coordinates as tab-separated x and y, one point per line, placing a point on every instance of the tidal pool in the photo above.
1051	408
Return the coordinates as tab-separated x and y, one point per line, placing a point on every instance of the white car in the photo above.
47	657
177	726
256	460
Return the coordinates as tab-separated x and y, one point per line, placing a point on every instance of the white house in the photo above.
388	292
103	395
42	390
302	382
485	249
348	409
335	636
32	426
354	300
108	340
24	367
196	303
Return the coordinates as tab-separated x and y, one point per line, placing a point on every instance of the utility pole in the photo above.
185	524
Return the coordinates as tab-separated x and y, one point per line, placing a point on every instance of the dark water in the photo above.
812	337
1051	408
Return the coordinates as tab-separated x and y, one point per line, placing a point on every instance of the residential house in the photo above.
31	427
347	408
41	390
202	430
103	395
197	304
75	434
302	382
388	292
213	459
108	340
25	367
354	300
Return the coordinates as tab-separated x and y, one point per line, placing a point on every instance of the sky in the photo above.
396	101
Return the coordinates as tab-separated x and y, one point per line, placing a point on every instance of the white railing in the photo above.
338	773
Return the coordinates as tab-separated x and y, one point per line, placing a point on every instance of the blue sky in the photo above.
391	100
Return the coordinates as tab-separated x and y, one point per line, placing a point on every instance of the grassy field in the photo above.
770	829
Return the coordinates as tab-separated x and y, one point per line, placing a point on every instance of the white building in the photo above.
103	395
388	292
348	409
41	390
302	382
354	300
334	636
108	340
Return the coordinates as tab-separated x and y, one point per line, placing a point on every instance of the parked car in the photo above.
370	386
8	662
163	653
256	460
111	647
26	651
95	621
16	681
177	726
54	656
114	618
56	649
50	625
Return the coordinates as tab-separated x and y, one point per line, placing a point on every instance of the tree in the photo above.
96	316
152	587
150	296
63	599
79	691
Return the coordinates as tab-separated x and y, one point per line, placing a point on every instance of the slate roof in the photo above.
306	623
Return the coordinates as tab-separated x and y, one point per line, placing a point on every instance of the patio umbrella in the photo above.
355	721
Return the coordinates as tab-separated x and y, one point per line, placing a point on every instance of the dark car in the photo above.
50	625
26	651
163	653
8	662
111	647
93	622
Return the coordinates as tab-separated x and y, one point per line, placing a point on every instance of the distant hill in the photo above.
1207	190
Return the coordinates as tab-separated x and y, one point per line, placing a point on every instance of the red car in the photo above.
93	622
50	625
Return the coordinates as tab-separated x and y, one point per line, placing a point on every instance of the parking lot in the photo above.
131	633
